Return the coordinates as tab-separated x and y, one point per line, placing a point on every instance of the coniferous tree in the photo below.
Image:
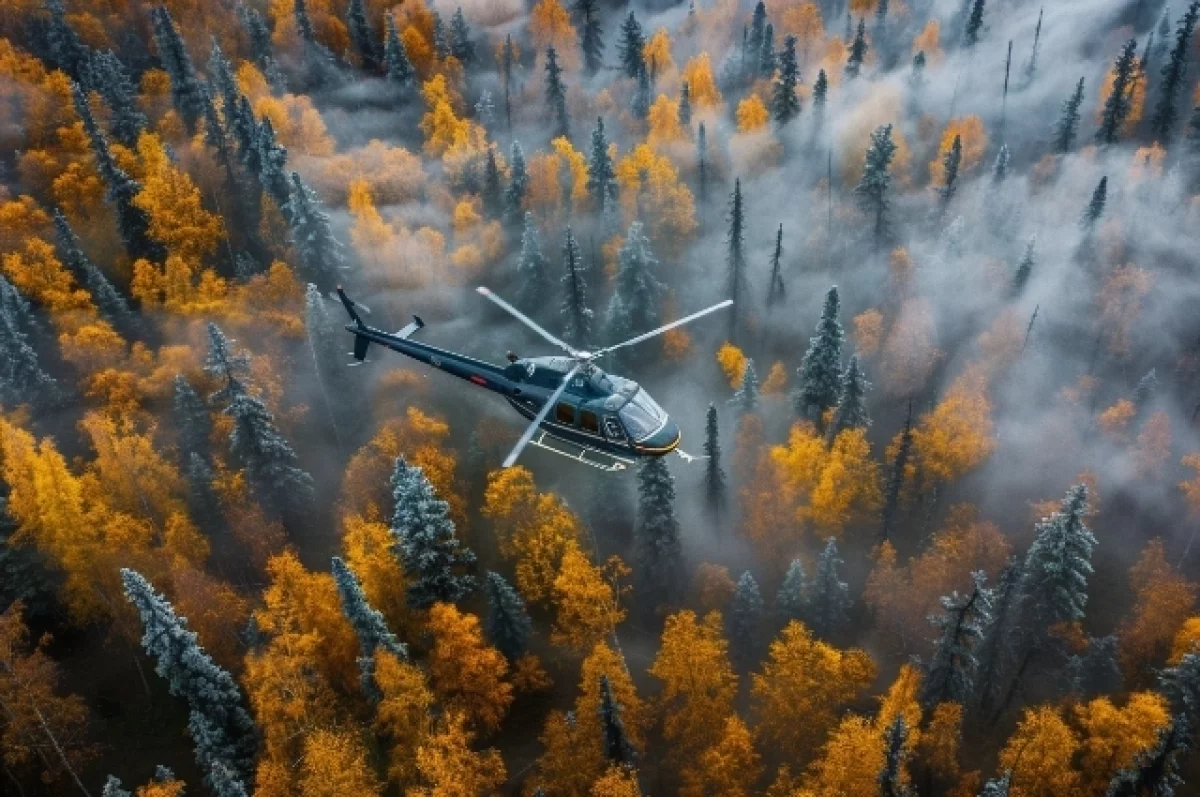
22	379
577	316
617	747
1120	102
227	365
111	304
25	575
746	622
851	412
630	47
685	107
111	79
492	193
1057	566
202	498
820	97
950	164
533	271
556	95
441	44
518	184
829	598
974	24
185	83
320	63
192	420
400	69
113	787
1146	389
1155	770
320	252
1067	126
261	50
508	64
775	288
820	371
767	59
66	50
745	398
369	626
591	35
219	724
752	41
461	45
1180	683
996	650
1095	208
1000	169
508	625
640	104
735	258
1025	267
272	471
132	222
998	787
702	167
658	552
436	562
916	76
1166	112
635	302
891	778
785	105
361	35
224	783
872	189
714	474
1030	68
791	602
895	478
1095	670
951	673
268	162
858	52
602	178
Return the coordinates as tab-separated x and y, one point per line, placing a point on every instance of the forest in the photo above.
936	533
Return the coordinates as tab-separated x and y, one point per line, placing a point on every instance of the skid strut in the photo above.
601	460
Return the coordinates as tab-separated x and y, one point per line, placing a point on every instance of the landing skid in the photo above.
601	460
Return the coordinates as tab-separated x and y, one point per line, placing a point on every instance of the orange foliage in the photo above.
732	362
956	436
466	674
701	84
973	138
1165	600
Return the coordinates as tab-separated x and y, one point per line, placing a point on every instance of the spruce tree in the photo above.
441	44
895	478
602	178
219	724
400	70
746	622
829	598
858	52
186	88
319	251
630	47
227	365
1180	683
974	24
752	41
321	64
492	193
1146	389
1024	268
872	190
1030	68
916	76
1000	169
508	625
268	162
1120	102
361	35
851	412
202	499
224	783
1155	770
950	675
369	626
436	562
702	168
880	36
685	107
775	288
995	652
1166	112
591	35
1067	127
461	45
638	293
820	98
820	371
617	747
891	778
950	164
639	106
767	59
193	423
261	50
1057	566
785	105
1095	208
1095	671
715	482
66	50
658	553
745	398
556	96
577	316
735	258
533	271
111	79
791	602
22	379
272	471
508	64
998	787
113	787
112	305
518	184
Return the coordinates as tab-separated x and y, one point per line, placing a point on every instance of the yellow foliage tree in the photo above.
850	761
467	674
657	55
1185	641
752	114
450	768
732	362
973	139
617	781
1040	753
1113	737
729	767
804	21
587	600
1164	601
179	286
956	436
550	26
848	487
403	714
336	763
603	660
938	746
702	87
663	121
370	552
651	190
178	219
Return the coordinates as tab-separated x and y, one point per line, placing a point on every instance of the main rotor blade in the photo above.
667	328
541	416
526	320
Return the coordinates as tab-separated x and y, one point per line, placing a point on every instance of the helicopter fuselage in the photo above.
597	410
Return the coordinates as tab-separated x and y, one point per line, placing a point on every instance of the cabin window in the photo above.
612	429
564	413
589	422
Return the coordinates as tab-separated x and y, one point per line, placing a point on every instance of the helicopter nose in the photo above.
664	439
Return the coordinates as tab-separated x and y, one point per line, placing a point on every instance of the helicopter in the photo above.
575	409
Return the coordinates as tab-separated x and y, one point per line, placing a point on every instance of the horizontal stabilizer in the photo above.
411	327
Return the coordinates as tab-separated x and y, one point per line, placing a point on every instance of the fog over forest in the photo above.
934	526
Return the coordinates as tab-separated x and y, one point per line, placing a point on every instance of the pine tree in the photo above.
829	598
1180	683
1068	122
1095	671
1000	169
556	96
219	725
261	50
872	189
591	35
1024	268
746	622
752	41
202	499
785	105
185	83
361	35
767	59
895	478
436	562
1146	389
1001	637
891	778
775	288
951	673
508	625
1155	770
791	602
319	251
702	167
227	365
820	371
192	420
658	552
617	747
1120	102
974	24
602	178
950	164
66	50
369	626
714	475
851	412
630	47
111	304
22	380
1030	68
111	79
268	162
820	97
508	63
685	107
518	184
272	472
1057	566
880	37
1095	208
735	257
1166	112
858	52
461	45
400	70
441	44
577	316
639	106
132	222
638	292
224	783
533	271
745	398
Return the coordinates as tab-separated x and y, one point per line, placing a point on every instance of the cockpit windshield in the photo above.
642	416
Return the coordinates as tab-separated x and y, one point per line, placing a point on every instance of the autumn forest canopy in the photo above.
940	534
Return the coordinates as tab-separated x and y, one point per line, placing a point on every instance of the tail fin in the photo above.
349	305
